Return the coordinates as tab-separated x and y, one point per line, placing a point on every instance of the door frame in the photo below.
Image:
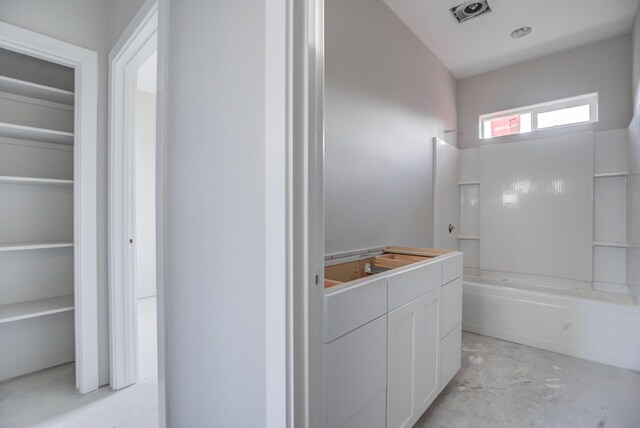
136	44
85	187
294	130
294	214
306	195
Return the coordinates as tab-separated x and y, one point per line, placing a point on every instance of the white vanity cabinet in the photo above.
392	335
413	354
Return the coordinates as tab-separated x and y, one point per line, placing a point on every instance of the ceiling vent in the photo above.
470	9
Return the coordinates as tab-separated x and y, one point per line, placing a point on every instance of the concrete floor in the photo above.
500	385
49	399
506	385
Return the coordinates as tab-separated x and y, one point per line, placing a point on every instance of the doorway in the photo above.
144	207
48	130
133	309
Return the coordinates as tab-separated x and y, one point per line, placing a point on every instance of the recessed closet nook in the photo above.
36	214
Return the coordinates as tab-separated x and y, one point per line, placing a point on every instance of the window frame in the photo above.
536	109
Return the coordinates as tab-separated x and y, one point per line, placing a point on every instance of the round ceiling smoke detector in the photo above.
521	32
470	9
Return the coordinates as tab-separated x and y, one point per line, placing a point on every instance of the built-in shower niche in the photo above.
549	211
610	212
469	236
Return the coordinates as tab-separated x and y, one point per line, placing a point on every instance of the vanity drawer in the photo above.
451	306
452	268
410	284
353	307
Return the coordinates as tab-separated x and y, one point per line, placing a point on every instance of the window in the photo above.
566	112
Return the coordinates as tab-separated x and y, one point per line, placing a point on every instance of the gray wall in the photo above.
633	182
387	96
215	216
120	14
85	23
603	67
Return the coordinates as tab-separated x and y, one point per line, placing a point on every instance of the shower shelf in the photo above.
468	183
469	237
611	174
611	244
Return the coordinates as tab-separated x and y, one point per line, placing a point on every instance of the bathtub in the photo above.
596	326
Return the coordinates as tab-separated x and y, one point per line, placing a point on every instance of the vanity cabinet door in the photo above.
451	306
450	356
356	378
427	349
413	354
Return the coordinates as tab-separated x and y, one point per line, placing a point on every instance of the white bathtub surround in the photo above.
446	209
536	210
575	324
548	227
550	211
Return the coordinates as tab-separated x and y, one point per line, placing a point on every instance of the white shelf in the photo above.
468	183
612	174
33	180
35	308
10	130
611	244
34	90
35	246
469	237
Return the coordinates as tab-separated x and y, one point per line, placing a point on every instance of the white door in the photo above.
446	206
413	352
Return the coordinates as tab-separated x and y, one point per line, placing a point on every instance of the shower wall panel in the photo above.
537	207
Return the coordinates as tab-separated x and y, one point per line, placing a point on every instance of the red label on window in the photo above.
505	126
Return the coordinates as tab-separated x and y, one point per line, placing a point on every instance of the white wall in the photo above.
603	67
387	96
214	229
145	159
85	23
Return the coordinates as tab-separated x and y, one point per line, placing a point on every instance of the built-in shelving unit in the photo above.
611	174
34	90
22	132
36	233
35	308
34	246
610	212
469	199
611	244
33	180
470	188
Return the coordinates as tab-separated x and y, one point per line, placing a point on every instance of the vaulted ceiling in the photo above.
485	43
